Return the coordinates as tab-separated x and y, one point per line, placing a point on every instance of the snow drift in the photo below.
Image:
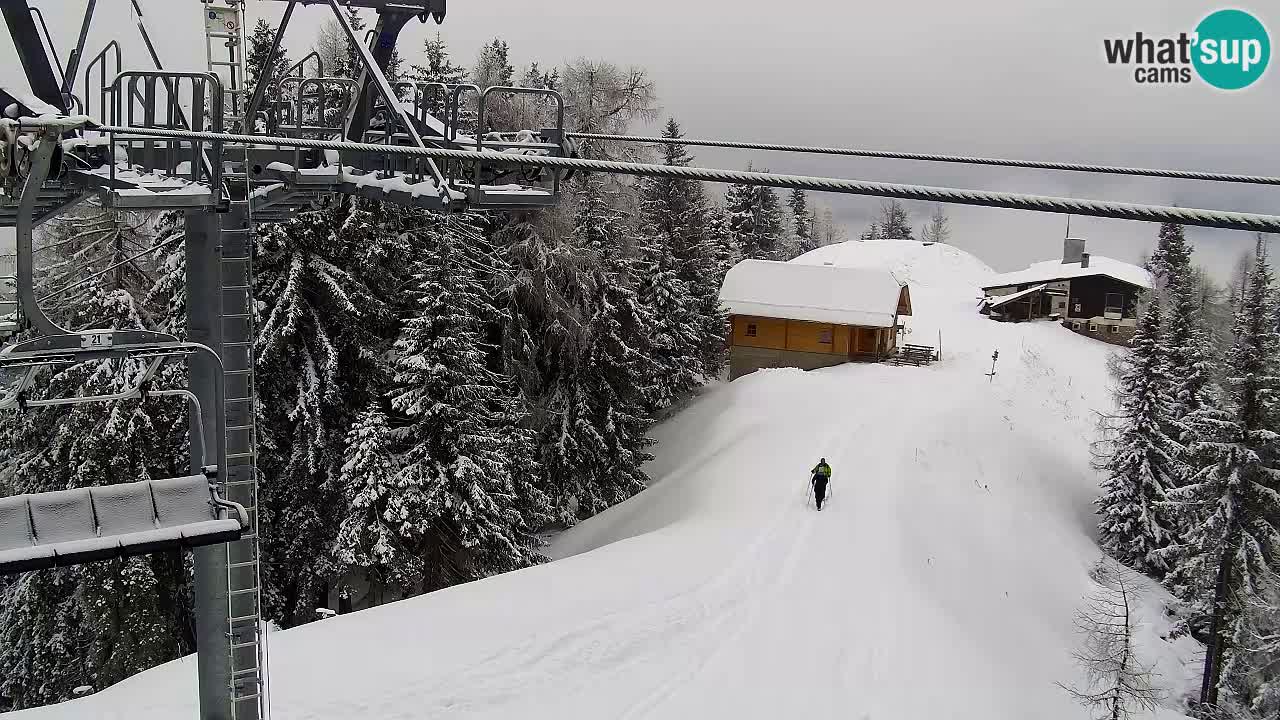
940	582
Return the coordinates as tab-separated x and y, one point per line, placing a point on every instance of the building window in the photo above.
824	336
1093	328
1115	303
751	329
1075	326
1114	328
1076	307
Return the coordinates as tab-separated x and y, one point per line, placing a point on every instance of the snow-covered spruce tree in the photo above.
534	77
323	283
801	221
542	293
1144	465
493	66
256	59
1188	344
593	447
740	210
547	293
674	220
380	536
725	251
1172	256
871	233
468	454
1229	562
438	67
1188	357
93	624
894	223
675	329
43	654
756	222
771	227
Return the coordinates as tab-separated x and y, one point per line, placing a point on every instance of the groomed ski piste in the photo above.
940	582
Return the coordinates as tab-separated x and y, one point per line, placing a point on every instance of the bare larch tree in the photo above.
1117	683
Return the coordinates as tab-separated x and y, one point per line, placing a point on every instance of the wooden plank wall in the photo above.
797	335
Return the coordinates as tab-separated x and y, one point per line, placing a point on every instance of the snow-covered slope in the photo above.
935	266
939	582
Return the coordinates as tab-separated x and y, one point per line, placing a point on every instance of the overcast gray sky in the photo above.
1022	79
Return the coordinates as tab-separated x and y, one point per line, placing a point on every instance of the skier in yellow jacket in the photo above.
820	477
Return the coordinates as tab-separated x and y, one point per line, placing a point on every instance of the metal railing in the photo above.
319	109
547	141
171	101
106	80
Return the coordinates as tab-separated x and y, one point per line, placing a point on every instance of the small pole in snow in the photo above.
991	376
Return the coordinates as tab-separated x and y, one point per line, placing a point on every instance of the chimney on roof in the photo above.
1084	260
1072	250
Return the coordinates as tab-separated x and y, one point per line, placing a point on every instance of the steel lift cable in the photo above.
1254	222
932	157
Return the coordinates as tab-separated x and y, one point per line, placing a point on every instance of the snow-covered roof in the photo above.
1051	270
817	293
997	302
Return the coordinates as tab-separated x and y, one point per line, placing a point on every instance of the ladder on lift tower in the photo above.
224	48
243	568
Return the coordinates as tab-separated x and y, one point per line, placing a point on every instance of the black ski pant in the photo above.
819	490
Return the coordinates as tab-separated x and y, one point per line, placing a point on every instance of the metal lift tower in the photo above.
52	157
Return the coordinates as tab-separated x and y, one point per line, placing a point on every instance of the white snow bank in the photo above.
915	263
941	581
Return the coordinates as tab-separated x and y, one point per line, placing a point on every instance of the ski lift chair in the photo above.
68	527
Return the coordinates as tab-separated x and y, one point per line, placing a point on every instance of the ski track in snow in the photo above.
940	581
689	628
764	589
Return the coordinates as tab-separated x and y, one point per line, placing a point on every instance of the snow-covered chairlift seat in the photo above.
68	527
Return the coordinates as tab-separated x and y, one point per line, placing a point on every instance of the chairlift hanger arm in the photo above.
41	162
153	347
130	393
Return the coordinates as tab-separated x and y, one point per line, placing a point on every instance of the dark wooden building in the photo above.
1092	295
